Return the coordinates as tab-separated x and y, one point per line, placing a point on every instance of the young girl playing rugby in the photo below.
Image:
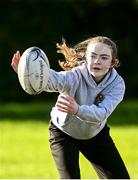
89	91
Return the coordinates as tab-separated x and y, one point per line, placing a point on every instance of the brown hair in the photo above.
74	56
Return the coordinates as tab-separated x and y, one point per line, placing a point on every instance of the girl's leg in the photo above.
65	153
104	156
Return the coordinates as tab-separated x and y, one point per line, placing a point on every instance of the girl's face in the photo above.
99	60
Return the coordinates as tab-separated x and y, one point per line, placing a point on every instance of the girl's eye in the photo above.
104	58
93	56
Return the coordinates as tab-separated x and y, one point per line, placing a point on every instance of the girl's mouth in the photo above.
96	69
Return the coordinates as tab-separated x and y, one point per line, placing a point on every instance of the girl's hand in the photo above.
67	104
15	61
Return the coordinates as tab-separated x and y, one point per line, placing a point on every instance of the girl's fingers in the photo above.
67	104
67	98
15	61
18	55
62	107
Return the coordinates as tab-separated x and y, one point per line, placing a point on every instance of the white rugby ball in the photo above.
33	70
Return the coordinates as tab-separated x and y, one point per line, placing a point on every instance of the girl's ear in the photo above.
115	63
112	65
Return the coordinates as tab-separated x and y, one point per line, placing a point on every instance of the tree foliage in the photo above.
43	23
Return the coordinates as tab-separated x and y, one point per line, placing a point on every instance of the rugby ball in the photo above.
33	70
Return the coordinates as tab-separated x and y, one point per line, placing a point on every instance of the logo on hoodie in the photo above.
99	98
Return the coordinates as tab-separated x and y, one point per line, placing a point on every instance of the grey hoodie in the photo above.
96	101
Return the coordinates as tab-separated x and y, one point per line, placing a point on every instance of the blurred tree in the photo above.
42	23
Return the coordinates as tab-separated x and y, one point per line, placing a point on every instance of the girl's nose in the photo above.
97	60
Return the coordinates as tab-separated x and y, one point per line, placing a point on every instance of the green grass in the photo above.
126	139
24	151
24	146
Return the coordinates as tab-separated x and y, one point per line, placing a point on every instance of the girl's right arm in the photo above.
15	61
58	81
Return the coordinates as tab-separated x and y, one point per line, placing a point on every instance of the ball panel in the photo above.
38	74
33	70
23	75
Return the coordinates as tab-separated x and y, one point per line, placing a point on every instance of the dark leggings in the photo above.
99	150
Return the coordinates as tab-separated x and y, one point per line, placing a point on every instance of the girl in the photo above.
89	91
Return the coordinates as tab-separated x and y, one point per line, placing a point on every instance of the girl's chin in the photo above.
96	75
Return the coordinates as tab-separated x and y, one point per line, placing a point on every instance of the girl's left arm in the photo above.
100	112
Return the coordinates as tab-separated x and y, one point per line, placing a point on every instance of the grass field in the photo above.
24	146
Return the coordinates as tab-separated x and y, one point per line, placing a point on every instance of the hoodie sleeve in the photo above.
100	112
60	81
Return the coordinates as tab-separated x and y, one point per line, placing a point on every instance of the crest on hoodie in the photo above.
99	98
